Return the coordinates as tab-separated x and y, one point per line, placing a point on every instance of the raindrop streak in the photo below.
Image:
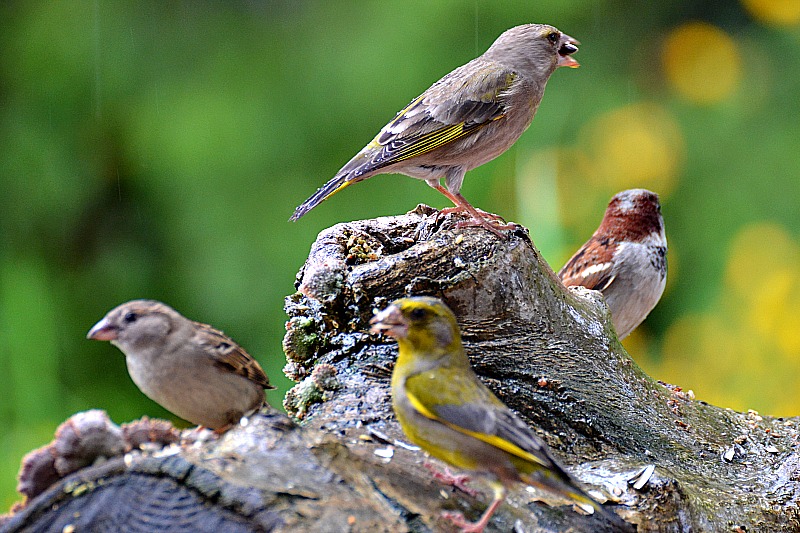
477	50
96	28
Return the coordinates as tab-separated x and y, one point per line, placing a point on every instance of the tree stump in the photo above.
656	456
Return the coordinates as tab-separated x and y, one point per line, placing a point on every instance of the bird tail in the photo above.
335	185
567	489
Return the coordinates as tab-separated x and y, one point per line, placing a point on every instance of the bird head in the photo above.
134	323
534	49
423	324
634	214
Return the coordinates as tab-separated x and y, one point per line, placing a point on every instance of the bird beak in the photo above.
566	47
102	331
390	322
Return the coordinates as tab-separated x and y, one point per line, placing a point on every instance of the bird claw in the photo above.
447	477
492	226
485	214
488	221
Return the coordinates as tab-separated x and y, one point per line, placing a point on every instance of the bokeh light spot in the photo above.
763	271
777	12
720	362
701	62
760	255
636	146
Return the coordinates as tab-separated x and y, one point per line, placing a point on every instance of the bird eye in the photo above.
130	316
418	313
553	37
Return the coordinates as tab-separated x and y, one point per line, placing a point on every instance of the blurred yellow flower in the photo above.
778	12
701	62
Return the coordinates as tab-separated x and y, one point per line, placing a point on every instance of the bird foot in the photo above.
458	520
480	218
485	214
488	221
447	477
494	227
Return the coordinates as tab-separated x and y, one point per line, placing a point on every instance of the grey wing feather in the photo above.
483	412
470	95
500	422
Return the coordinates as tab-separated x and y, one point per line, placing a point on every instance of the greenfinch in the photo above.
444	408
467	118
189	368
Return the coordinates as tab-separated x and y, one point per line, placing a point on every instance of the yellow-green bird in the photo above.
469	117
444	408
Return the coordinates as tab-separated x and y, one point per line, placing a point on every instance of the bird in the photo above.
625	259
467	118
444	408
189	368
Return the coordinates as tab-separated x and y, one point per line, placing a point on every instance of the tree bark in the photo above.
549	353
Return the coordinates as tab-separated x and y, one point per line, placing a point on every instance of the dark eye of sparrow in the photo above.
130	317
553	37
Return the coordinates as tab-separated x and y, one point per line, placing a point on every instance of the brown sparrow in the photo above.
626	259
189	368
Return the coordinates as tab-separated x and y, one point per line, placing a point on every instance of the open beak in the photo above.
390	322
102	331
566	47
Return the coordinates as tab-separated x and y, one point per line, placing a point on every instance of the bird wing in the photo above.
456	106
476	412
577	271
228	354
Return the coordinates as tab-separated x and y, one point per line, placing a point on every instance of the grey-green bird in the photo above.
469	117
444	408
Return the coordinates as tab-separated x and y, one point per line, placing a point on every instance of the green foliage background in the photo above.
156	149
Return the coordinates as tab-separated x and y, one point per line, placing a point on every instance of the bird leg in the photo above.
459	521
447	477
479	218
220	431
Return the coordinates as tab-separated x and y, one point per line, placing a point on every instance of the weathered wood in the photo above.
548	352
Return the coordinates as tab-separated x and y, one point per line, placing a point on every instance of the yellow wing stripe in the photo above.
436	139
419	406
430	142
337	189
494	440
